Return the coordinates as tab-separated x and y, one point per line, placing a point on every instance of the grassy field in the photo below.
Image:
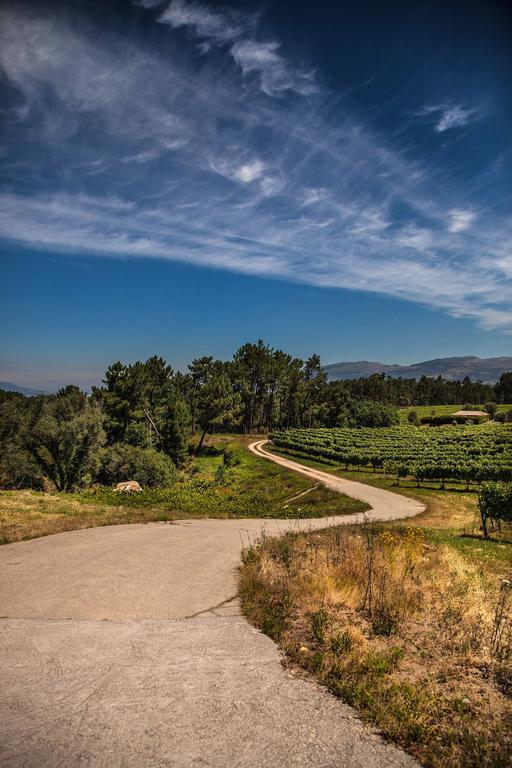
408	623
252	488
451	515
442	410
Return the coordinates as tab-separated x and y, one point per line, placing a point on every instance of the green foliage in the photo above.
221	474
503	388
144	407
370	414
461	453
128	462
230	457
319	623
218	405
440	419
412	418
17	467
148	405
63	437
428	411
175	429
495	504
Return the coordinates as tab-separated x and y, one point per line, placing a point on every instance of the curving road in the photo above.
385	505
124	647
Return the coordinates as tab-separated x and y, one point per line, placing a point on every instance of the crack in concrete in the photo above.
213	607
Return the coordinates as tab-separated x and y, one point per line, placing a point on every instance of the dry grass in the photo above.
28	514
404	629
252	488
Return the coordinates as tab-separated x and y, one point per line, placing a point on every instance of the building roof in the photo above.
470	414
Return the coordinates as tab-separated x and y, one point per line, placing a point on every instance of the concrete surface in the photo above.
123	646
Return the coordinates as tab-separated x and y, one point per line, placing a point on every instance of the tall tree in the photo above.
200	369
64	436
219	405
503	388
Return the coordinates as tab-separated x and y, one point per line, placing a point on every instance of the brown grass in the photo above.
402	628
27	515
253	488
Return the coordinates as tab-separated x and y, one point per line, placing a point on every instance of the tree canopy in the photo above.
148	407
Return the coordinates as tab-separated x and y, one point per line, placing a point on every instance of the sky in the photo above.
180	177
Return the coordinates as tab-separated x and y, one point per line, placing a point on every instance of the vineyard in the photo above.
469	454
426	411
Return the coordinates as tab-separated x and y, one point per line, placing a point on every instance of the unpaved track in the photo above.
385	505
124	646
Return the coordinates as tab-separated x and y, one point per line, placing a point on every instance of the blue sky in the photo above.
180	177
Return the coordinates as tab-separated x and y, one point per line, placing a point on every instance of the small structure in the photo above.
472	414
129	486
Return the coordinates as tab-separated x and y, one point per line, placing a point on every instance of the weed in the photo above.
409	630
319	623
341	642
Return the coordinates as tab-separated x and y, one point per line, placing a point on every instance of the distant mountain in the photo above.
487	370
8	387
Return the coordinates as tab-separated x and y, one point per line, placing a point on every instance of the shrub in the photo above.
412	418
366	413
63	437
128	462
229	457
495	503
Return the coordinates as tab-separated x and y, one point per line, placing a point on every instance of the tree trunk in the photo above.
201	441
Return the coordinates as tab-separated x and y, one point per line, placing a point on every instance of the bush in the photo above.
367	413
495	503
412	418
63	437
229	457
128	462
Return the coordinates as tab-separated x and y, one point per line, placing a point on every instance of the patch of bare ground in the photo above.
407	629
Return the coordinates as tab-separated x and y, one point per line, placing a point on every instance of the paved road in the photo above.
124	646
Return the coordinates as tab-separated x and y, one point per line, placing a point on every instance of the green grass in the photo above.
451	515
442	410
253	488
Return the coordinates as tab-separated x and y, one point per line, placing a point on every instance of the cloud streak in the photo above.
445	117
228	156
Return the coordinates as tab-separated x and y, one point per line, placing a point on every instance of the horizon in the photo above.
183	176
96	380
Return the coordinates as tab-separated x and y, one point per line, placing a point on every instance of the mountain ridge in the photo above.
7	386
488	370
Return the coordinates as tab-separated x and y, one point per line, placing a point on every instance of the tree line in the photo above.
140	421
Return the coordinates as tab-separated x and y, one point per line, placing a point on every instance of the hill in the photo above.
8	387
487	370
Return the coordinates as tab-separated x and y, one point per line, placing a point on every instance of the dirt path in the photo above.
124	646
385	505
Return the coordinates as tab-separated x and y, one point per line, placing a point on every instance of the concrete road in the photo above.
123	646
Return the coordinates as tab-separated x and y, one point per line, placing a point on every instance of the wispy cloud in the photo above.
259	59
447	116
214	26
130	152
459	220
274	75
